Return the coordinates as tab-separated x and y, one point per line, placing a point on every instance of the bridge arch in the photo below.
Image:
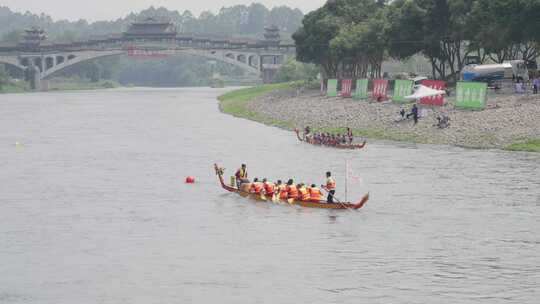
11	61
82	56
241	58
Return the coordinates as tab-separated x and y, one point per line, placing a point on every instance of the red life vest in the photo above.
283	194
269	188
292	191
315	194
256	187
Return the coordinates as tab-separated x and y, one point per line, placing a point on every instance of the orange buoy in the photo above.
190	180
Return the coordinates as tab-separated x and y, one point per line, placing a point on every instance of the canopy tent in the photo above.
422	91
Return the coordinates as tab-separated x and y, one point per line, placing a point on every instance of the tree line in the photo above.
351	38
238	20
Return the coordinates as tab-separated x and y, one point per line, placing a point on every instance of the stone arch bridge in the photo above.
44	61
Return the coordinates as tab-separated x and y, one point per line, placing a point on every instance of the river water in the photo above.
93	209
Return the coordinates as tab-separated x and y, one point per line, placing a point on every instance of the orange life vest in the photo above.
256	187
315	194
283	194
292	191
269	188
330	184
304	194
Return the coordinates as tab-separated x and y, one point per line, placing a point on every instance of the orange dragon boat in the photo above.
337	146
275	199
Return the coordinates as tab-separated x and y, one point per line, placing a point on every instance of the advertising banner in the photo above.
471	95
402	88
346	88
434	100
380	90
331	88
361	89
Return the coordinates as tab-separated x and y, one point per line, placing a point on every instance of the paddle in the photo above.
335	198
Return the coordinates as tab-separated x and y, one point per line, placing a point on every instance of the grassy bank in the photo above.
239	103
235	103
532	145
14	88
74	86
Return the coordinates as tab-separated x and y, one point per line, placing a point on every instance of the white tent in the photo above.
422	91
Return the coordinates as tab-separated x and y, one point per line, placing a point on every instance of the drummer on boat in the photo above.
241	175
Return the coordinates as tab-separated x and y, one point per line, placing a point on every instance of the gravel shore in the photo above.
509	118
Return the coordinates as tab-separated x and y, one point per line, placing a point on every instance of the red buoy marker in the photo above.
190	180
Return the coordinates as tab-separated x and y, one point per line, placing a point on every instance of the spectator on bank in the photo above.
414	114
536	82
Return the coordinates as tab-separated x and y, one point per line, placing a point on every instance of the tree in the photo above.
294	70
313	40
12	37
506	30
439	29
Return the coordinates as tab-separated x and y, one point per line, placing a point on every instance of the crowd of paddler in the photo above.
285	191
328	139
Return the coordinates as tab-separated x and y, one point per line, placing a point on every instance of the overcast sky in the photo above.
93	10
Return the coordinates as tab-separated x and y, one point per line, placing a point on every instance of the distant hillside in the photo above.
239	20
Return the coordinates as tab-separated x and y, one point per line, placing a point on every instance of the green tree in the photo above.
313	40
12	37
293	70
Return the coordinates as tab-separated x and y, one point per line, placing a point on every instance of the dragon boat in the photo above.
337	146
275	199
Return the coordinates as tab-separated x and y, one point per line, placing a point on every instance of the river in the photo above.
93	209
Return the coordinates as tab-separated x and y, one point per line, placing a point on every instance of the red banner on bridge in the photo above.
142	53
346	88
380	90
434	100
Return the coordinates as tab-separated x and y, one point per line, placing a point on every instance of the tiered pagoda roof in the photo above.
33	37
151	28
271	35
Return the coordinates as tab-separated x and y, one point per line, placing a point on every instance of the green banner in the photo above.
361	89
471	95
331	88
402	88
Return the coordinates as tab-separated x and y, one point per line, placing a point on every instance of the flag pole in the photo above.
346	179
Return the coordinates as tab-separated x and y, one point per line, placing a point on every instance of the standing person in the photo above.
536	82
241	175
414	112
330	187
350	135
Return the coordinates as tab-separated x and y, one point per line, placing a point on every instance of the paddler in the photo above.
330	187
282	190
315	194
269	187
304	193
292	190
241	175
256	186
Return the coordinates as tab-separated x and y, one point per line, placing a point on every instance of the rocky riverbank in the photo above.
508	119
